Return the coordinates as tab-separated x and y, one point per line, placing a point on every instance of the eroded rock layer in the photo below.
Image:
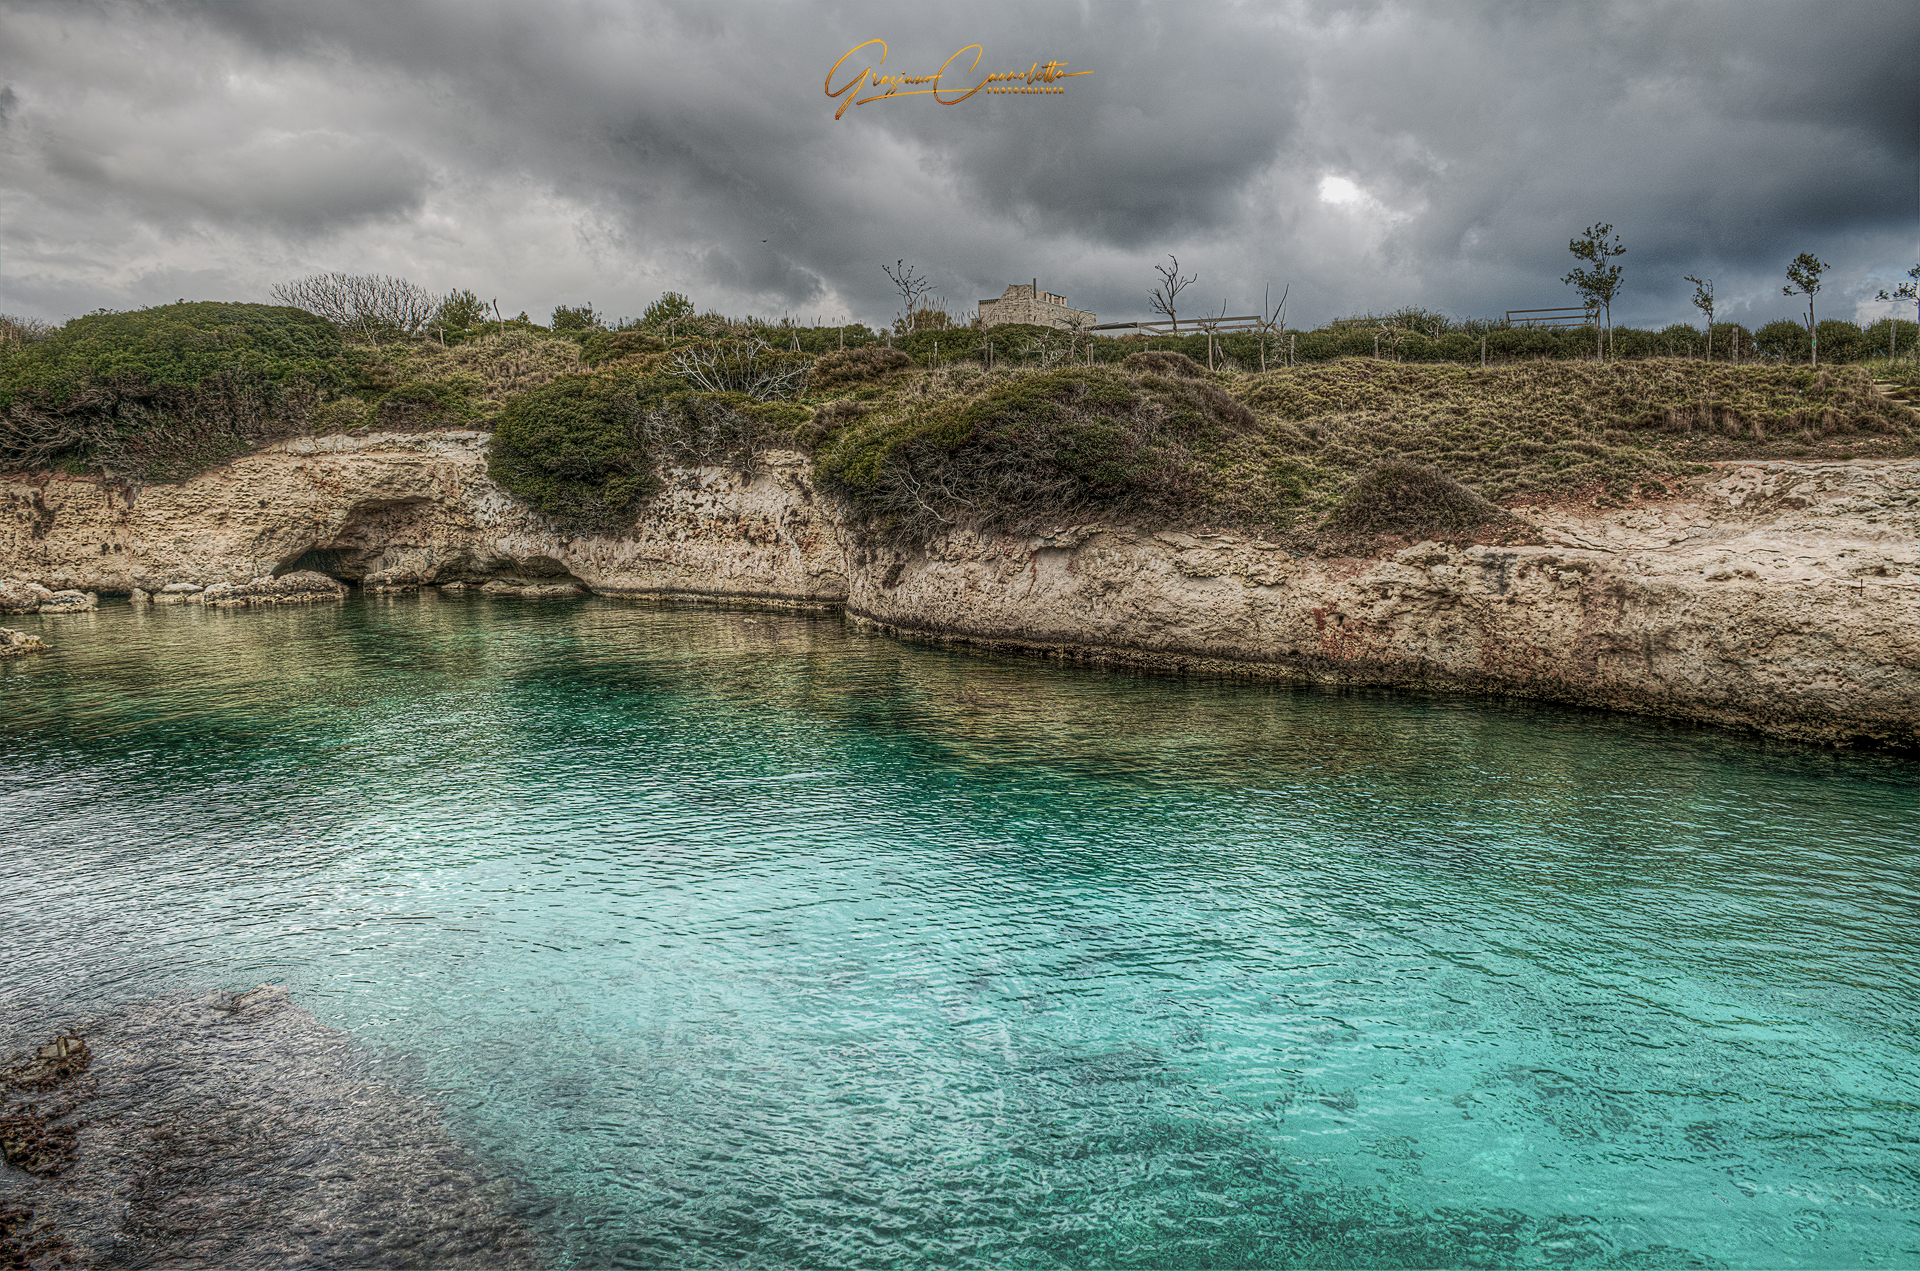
1778	596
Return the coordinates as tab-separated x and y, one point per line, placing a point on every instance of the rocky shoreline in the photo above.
223	1131
1779	596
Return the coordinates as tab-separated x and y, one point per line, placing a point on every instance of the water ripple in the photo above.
746	939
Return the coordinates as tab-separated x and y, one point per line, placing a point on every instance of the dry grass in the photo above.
1343	448
484	372
1547	429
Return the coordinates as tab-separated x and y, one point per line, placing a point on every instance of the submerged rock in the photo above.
545	590
392	581
227	1131
13	643
298	588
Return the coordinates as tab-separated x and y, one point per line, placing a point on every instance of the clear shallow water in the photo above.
745	939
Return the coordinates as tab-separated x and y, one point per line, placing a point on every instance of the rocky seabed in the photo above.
1778	596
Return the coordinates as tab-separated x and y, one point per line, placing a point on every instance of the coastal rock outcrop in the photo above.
394	511
28	597
1782	596
301	587
14	644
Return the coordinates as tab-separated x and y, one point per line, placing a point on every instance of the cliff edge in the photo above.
1777	595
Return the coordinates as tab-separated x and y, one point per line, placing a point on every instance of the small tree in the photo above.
1905	291
1703	301
460	309
581	319
669	309
911	287
1167	293
1600	284
1803	275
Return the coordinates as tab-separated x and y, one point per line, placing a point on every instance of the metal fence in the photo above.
1559	319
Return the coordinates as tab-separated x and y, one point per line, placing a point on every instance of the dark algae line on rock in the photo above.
235	1131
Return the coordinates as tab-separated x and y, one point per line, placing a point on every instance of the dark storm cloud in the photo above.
1371	155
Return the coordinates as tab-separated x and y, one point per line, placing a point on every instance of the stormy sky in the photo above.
1368	155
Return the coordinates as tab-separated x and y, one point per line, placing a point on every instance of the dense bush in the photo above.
1784	340
1415	501
1148	362
157	394
587	450
1005	449
600	346
573	450
1842	342
580	319
838	370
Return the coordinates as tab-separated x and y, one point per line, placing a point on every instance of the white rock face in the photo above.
1780	596
416	509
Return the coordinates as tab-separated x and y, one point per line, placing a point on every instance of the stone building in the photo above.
1025	302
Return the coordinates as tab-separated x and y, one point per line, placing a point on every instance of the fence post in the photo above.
1483	352
1289	348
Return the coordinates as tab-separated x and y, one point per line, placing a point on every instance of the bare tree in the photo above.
1272	322
1703	301
361	304
17	330
750	366
1209	324
1171	285
1080	327
911	287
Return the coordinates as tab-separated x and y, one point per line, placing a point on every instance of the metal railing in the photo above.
1560	319
1192	326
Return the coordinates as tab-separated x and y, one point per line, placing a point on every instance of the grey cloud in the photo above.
610	151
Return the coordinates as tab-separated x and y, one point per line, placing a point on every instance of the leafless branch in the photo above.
1171	285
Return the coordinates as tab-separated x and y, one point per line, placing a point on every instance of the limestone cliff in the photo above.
1778	596
404	510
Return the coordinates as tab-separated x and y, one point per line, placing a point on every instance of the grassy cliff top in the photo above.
1283	448
1159	440
918	442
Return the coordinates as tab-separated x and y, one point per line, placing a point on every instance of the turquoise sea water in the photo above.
745	939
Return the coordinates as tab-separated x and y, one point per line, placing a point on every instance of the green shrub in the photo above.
838	370
1394	496
460	311
671	307
601	346
1154	362
158	394
1842	342
417	405
1089	441
572	450
580	319
1784	340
